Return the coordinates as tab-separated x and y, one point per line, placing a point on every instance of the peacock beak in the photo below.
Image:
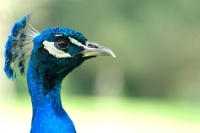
94	49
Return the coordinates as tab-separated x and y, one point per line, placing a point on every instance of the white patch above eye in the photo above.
49	46
59	35
74	41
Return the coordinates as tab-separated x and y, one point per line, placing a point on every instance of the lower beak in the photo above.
94	49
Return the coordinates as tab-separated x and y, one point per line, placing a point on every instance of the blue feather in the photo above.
14	51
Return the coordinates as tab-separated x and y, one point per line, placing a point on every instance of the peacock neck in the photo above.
44	90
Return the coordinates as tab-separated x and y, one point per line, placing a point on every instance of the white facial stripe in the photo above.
49	46
74	41
59	35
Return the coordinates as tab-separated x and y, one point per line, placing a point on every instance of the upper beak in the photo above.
94	49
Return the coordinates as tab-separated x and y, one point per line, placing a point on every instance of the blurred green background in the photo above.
154	83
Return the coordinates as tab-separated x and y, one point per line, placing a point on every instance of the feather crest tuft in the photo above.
19	46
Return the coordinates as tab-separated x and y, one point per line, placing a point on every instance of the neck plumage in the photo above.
48	113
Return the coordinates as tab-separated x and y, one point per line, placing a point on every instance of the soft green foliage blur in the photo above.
156	44
156	73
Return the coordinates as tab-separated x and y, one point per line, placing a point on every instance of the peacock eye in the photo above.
61	44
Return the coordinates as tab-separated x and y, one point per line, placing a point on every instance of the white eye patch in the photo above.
74	41
49	46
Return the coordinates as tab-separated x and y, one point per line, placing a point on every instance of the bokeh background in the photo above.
152	86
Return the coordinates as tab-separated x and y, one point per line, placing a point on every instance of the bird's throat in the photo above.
46	102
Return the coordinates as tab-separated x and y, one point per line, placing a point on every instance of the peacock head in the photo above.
56	50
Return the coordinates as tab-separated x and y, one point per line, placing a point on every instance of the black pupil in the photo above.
62	44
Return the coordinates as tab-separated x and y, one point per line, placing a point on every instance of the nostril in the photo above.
91	46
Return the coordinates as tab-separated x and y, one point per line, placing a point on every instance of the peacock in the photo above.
49	56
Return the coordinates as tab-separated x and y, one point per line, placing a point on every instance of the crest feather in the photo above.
19	46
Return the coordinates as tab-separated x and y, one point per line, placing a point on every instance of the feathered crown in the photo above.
19	46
